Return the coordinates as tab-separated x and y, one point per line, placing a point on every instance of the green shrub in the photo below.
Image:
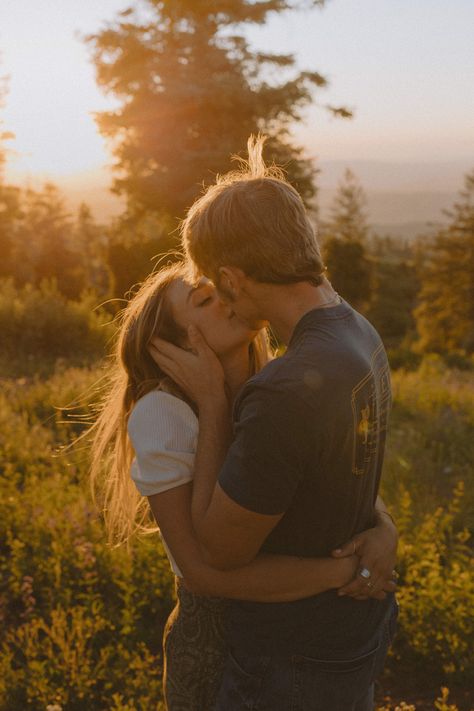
436	593
428	484
431	439
39	325
440	704
81	623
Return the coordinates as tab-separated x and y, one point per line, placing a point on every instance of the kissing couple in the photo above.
262	473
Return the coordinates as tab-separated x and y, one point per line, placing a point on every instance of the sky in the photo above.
405	67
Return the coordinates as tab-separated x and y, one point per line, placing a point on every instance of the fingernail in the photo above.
338	550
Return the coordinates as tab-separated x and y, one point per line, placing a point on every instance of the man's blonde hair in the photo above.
252	218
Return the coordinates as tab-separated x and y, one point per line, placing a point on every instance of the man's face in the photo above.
236	291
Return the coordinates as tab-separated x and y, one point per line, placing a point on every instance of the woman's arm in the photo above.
268	578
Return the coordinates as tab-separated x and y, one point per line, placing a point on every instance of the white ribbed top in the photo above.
163	430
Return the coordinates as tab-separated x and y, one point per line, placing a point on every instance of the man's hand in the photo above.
377	550
197	372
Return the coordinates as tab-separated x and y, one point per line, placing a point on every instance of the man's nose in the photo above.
223	298
226	306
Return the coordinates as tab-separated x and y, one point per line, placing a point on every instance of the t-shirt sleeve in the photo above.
163	430
262	469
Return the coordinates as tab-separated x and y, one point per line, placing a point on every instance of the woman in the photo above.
146	415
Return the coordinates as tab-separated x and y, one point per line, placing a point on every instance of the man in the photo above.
302	472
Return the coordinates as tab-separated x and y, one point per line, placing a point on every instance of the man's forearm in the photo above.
213	441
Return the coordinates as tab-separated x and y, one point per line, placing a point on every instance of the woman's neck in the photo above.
236	366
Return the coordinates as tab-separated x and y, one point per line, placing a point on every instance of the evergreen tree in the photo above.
395	288
135	249
348	216
344	239
349	270
445	315
44	244
191	91
9	200
9	215
91	241
4	135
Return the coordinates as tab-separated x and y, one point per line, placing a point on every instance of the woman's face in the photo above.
199	305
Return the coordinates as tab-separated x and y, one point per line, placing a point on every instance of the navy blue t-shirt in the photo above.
309	436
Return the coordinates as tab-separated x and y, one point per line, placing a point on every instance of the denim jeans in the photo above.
299	683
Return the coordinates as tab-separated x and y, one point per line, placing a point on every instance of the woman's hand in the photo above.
377	550
197	372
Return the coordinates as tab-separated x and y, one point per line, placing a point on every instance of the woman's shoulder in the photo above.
159	407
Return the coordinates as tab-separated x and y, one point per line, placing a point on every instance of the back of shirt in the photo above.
309	441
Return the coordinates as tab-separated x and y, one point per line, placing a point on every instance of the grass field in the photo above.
82	623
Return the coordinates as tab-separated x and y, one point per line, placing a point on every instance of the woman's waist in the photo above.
187	598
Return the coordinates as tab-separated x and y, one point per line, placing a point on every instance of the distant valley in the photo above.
403	200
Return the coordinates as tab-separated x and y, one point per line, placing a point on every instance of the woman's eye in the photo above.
205	301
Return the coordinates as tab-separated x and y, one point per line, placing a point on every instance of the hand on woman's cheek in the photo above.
198	372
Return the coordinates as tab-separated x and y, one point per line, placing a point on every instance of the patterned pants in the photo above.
195	649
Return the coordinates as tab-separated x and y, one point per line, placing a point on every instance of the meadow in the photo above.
82	622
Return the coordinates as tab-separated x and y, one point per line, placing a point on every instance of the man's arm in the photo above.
230	534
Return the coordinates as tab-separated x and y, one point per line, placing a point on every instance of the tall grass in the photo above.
82	623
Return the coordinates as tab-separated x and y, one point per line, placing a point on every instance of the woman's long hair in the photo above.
132	374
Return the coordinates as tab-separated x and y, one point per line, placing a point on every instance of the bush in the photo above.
440	704
436	594
81	623
39	325
428	483
431	439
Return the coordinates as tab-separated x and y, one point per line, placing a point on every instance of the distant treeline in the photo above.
57	269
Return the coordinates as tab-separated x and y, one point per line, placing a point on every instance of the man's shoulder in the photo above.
273	390
277	377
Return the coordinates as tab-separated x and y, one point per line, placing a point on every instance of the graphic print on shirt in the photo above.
371	400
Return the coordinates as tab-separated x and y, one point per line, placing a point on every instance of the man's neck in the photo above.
285	305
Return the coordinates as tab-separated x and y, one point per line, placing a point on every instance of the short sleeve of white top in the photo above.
163	430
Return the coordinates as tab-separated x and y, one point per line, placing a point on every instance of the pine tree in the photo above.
44	243
445	315
348	216
9	199
91	241
344	239
395	288
135	249
4	135
191	91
